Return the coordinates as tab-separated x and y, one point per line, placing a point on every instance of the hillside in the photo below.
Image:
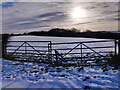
73	33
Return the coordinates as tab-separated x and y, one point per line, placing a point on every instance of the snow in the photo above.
39	75
48	38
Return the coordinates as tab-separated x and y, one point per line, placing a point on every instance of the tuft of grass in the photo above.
9	57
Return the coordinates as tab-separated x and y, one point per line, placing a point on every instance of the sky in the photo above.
21	17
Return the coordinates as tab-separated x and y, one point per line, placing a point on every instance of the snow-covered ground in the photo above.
34	75
61	40
53	39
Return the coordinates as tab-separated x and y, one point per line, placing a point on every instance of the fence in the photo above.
72	53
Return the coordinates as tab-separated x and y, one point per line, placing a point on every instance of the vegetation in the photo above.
76	33
5	38
58	32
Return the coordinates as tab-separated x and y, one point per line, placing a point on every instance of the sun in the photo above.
78	13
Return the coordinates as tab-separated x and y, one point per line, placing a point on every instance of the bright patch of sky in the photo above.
20	17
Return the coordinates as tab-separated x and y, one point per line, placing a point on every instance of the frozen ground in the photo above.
53	39
29	75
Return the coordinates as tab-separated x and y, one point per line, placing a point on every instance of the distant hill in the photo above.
57	32
74	33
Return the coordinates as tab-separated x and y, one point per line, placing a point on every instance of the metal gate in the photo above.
70	53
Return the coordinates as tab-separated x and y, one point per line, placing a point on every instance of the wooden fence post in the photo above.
115	47
118	46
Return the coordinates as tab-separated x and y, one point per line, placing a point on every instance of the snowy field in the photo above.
29	75
53	39
34	75
60	40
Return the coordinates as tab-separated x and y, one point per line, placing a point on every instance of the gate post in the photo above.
115	47
50	51
56	55
81	53
118	46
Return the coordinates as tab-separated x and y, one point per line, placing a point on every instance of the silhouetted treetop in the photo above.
57	30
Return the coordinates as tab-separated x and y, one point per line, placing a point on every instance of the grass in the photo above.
111	60
10	57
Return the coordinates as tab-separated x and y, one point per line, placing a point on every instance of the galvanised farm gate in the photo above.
78	53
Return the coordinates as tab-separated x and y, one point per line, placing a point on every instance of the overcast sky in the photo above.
23	17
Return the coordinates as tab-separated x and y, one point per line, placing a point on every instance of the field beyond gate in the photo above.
68	53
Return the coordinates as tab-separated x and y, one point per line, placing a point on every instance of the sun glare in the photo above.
78	13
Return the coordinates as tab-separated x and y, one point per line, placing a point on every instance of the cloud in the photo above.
7	4
117	18
25	15
105	6
48	14
83	23
23	26
110	12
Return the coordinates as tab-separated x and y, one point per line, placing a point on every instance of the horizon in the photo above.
19	17
79	31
